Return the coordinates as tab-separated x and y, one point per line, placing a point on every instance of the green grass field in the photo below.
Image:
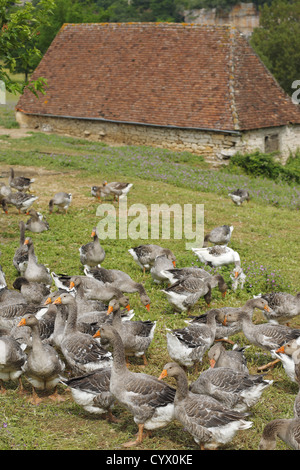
266	235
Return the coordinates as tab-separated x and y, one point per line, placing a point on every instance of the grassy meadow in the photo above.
266	235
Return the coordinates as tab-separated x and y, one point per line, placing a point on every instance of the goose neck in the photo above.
119	361
71	324
139	288
37	344
117	319
182	389
211	321
22	234
31	253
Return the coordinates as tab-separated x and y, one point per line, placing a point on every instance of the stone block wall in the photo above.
244	16
215	147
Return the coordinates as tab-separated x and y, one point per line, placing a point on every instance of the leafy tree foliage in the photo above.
19	31
277	41
88	11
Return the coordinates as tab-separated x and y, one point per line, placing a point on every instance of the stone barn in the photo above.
199	88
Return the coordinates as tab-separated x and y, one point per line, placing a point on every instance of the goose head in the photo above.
113	306
28	320
28	241
290	349
171	369
145	301
65	299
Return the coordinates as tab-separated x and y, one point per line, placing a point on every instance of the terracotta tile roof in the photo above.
165	74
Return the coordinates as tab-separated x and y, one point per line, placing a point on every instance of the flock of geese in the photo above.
84	327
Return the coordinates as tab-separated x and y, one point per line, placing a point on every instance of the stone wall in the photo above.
288	138
244	16
215	147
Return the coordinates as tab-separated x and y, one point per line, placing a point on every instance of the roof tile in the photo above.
165	74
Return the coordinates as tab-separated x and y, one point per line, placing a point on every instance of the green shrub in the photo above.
265	165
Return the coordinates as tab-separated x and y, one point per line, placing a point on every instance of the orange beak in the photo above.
48	301
93	234
97	334
57	301
224	322
266	307
212	363
174	264
280	350
72	285
223	294
236	274
128	307
22	322
163	374
26	242
147	307
110	309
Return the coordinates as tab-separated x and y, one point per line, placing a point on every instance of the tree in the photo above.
277	41
19	30
98	11
69	11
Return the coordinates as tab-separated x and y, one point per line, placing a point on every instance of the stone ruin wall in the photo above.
244	16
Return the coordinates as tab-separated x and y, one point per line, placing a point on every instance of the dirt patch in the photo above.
29	171
49	182
17	133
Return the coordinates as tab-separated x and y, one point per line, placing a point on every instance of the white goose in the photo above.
217	256
288	354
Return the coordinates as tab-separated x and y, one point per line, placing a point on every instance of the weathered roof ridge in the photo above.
151	24
234	112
